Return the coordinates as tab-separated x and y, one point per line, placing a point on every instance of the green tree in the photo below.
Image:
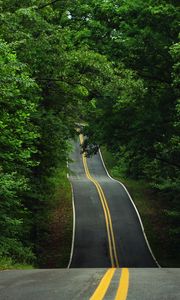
19	101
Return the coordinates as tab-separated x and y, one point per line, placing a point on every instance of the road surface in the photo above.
108	232
81	284
110	257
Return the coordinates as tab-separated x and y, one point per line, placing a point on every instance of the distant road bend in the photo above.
108	231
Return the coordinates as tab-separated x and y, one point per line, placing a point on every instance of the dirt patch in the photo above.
59	246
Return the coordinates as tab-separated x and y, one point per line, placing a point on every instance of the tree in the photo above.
19	101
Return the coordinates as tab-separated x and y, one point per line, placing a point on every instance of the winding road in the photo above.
110	258
108	230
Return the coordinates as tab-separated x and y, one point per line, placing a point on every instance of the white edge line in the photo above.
137	212
74	222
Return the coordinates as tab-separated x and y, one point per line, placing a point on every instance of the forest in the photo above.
111	64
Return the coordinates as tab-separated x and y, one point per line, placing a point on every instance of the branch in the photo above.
149	77
61	80
154	155
42	6
49	79
168	162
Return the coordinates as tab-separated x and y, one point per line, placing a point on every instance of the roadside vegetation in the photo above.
55	227
112	64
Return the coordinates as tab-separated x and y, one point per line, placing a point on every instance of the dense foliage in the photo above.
114	64
44	81
18	145
137	116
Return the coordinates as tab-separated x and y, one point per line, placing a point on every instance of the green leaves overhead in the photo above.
114	65
137	110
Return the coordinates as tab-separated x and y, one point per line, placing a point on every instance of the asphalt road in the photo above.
91	248
80	284
105	219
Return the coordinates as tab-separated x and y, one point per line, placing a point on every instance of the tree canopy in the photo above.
111	64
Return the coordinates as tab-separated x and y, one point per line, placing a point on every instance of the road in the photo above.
108	232
81	284
110	257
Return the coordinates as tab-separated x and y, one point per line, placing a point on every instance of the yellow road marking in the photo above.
110	223
110	233
105	213
123	285
122	291
103	285
106	280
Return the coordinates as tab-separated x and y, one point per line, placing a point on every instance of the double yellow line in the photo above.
122	290
110	233
123	285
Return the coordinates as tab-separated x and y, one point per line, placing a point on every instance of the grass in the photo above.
7	263
151	208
